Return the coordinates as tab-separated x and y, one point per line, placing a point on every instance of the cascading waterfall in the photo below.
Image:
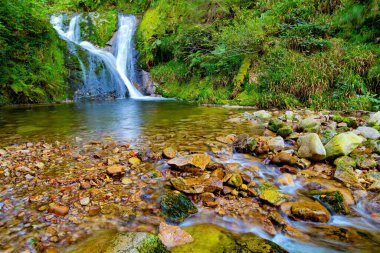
106	72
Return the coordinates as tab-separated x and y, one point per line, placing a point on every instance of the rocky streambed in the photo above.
294	181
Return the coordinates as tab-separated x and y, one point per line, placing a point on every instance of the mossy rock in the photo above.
245	144
109	241
275	124
310	125
337	118
345	161
176	206
342	144
327	136
350	121
210	238
377	128
334	200
285	131
270	193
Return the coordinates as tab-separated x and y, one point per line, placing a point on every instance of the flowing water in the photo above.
106	73
158	124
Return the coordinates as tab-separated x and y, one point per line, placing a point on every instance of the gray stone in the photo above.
311	147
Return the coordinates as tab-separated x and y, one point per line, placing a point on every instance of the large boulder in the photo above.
311	147
368	132
342	144
190	162
209	238
374	119
176	206
196	185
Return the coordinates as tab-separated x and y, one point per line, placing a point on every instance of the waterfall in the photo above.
106	72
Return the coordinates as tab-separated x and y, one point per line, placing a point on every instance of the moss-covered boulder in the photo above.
196	185
108	241
311	147
275	124
309	211
209	238
374	119
327	135
245	144
285	131
342	144
345	161
176	206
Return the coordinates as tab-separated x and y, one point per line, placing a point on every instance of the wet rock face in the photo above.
210	238
194	162
176	206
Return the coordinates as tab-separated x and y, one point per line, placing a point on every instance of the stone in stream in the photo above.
285	179
196	185
347	175
210	238
108	241
311	147
262	115
271	194
309	211
342	144
59	210
172	236
115	170
275	124
245	144
284	158
176	206
190	162
169	152
368	132
285	131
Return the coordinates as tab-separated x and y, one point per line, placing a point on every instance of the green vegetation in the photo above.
318	54
267	53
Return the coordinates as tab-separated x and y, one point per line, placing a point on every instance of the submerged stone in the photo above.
210	238
169	152
176	206
311	147
332	199
196	185
173	236
342	144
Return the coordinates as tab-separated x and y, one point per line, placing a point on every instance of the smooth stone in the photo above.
134	161
173	236
284	158
271	194
196	185
368	132
311	147
59	210
285	179
263	115
310	211
374	120
115	170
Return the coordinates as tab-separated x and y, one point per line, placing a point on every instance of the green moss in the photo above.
333	199
275	124
285	131
176	206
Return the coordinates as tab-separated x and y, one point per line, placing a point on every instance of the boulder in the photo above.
342	144
374	120
190	162
311	147
275	124
196	185
270	193
176	206
285	131
368	132
333	199
284	158
276	144
347	175
263	115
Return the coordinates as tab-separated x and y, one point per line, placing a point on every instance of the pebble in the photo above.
85	201
59	210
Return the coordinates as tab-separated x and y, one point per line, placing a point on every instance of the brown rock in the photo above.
218	173
94	210
59	210
85	185
284	158
309	211
172	236
115	170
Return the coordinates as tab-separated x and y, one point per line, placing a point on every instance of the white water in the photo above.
120	67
